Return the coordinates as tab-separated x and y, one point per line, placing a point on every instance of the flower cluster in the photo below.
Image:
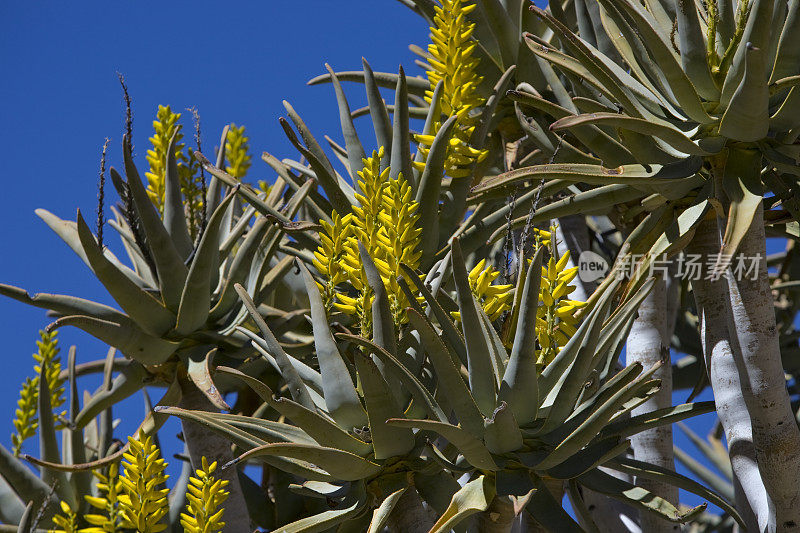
144	500
327	259
495	299
205	496
451	61
165	125
556	322
137	499
385	223
399	241
236	148
189	173
25	420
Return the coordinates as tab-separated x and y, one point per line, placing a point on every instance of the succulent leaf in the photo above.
482	380
341	397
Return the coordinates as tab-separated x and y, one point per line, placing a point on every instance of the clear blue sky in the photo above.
59	99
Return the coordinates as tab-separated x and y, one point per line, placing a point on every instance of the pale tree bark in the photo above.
775	434
410	515
648	344
724	369
673	296
200	442
610	515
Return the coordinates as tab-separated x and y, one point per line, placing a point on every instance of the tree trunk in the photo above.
775	434
410	515
724	369
648	344
499	517
610	515
200	442
528	522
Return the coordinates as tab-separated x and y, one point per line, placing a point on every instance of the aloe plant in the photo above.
705	109
433	364
178	305
328	259
508	445
656	79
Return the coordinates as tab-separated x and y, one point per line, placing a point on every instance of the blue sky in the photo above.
59	99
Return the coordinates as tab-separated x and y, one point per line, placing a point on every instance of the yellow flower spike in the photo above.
25	420
385	223
143	504
450	60
67	520
47	354
165	125
236	148
328	257
205	494
110	487
400	245
556	322
189	170
495	299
